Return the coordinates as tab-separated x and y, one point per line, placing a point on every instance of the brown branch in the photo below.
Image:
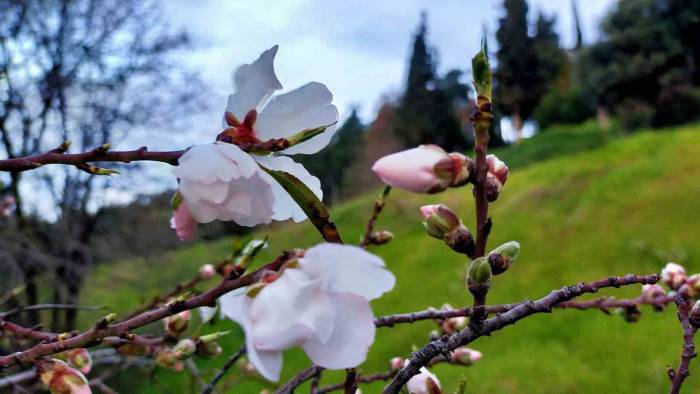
376	210
689	329
603	304
383	376
219	375
41	307
56	156
96	335
446	344
159	299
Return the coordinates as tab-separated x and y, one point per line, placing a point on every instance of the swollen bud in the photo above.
381	237
177	324
503	256
465	356
694	315
167	358
79	358
184	349
442	223
673	275
396	363
207	271
60	378
479	271
423	383
495	178
691	287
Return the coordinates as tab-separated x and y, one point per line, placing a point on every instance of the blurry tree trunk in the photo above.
517	122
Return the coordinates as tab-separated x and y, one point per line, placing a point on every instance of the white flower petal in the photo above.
253	85
285	206
237	308
348	269
290	310
207	313
304	108
353	334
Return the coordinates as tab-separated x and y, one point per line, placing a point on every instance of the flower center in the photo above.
240	133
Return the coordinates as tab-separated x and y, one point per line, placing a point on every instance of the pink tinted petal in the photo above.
182	222
412	169
348	269
254	84
306	107
353	334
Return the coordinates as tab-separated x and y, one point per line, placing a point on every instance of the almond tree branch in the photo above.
603	304
446	344
229	363
299	379
58	156
101	330
689	329
41	307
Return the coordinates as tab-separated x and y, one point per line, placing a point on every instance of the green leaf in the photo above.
482	72
309	203
307	134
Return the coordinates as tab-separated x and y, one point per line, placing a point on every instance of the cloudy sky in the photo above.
359	49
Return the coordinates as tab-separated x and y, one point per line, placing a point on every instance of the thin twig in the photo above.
96	334
446	344
299	379
688	353
219	375
376	210
39	307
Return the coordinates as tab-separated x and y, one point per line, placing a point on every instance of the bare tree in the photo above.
89	72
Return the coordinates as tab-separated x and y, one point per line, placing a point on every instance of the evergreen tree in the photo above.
577	25
331	164
426	111
515	77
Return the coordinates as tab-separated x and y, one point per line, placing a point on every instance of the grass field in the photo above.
628	205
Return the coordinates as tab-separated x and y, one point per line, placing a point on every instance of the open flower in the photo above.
222	182
425	169
319	302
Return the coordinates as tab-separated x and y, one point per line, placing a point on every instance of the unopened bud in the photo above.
184	349
694	315
177	323
480	271
455	168
381	237
396	363
461	241
167	358
651	292
424	383
60	378
79	358
503	256
495	178
439	220
691	288
208	349
673	275
207	271
631	314
465	356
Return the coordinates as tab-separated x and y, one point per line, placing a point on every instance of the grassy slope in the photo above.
626	207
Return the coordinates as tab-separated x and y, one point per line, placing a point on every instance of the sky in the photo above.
359	49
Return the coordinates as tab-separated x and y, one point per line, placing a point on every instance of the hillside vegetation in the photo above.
625	206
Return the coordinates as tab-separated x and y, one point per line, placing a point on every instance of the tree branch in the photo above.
376	210
678	376
445	345
229	363
299	379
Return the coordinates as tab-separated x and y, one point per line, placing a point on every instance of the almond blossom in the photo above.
223	182
319	302
424	382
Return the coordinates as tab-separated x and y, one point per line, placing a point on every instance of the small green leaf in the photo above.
309	203
176	200
307	134
482	73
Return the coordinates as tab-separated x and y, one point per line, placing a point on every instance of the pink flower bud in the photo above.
673	275
425	169
60	378
79	359
207	271
495	178
396	363
182	222
465	356
651	292
439	220
177	324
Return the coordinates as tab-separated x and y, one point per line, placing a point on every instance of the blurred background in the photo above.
595	102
